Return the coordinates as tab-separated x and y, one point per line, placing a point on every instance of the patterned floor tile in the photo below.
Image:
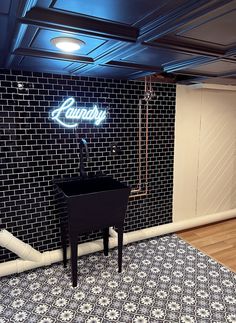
163	280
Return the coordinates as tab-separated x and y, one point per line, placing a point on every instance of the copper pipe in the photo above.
139	190
137	195
146	152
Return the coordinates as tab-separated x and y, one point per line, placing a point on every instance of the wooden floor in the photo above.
218	240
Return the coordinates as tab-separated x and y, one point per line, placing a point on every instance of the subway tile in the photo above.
36	151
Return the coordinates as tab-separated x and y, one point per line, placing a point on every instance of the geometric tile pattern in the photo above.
163	280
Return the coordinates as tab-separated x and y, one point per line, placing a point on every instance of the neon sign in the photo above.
69	116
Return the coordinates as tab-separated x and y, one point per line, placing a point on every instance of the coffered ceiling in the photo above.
186	40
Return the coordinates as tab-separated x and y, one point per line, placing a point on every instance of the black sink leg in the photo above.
63	242
106	241
74	256
120	246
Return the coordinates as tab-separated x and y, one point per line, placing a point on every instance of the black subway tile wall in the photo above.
35	150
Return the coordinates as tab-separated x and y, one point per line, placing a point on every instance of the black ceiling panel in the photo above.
5	7
221	80
122	11
112	72
123	38
156	56
217	68
225	25
3	28
46	64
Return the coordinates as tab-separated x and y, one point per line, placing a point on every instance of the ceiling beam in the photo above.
51	55
76	23
172	44
185	64
140	67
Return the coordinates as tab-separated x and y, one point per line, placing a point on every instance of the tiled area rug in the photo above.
163	280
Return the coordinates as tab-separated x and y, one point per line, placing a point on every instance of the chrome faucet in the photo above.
83	144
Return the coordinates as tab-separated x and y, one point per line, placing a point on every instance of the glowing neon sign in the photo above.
69	116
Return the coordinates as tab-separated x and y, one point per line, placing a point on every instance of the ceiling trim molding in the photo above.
138	75
25	6
108	56
231	52
209	86
56	19
142	67
194	75
19	9
51	55
187	63
184	47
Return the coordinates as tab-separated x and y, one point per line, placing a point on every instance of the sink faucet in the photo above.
83	144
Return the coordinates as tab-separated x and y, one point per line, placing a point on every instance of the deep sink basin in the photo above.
94	203
89	185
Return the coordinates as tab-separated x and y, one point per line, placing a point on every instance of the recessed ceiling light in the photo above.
67	44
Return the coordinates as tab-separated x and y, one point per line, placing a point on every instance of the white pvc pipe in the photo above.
177	226
112	233
50	257
21	249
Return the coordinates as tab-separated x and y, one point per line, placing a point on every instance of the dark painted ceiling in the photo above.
186	40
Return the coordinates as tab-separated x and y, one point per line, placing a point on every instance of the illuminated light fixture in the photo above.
67	44
69	115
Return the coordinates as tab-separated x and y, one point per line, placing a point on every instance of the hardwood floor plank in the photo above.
217	247
217	240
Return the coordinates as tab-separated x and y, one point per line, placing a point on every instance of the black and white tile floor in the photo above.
163	280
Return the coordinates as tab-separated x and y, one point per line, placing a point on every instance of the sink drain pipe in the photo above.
49	257
36	259
21	249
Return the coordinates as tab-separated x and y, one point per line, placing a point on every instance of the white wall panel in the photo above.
205	152
187	133
216	177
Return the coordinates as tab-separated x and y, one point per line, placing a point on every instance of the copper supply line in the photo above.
138	192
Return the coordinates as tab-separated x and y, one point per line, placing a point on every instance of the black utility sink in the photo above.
89	185
93	203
